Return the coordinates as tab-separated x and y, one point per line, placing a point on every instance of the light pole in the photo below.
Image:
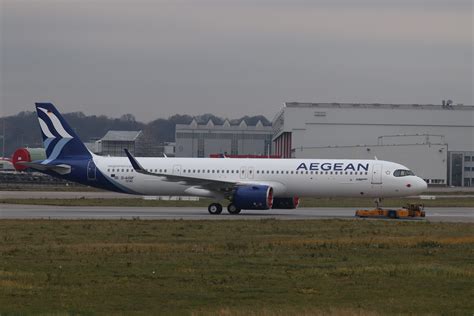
3	138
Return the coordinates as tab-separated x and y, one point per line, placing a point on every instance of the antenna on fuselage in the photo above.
375	157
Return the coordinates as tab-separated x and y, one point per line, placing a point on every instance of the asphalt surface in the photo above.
13	211
66	195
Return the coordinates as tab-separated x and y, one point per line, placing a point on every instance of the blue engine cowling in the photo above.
253	197
286	203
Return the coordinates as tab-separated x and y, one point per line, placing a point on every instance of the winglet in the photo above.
135	164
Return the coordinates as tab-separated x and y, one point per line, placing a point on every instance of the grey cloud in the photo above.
232	57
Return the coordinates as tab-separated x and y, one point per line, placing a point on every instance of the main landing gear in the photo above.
232	209
216	209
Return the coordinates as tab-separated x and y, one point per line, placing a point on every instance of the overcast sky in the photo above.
230	58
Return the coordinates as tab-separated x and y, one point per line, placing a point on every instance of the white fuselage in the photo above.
287	177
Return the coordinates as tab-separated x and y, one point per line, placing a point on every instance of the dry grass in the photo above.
265	267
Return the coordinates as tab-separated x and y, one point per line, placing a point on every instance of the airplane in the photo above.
248	184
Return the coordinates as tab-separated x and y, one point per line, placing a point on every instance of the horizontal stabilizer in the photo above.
61	169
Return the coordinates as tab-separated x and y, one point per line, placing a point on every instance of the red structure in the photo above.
245	156
27	154
283	145
21	154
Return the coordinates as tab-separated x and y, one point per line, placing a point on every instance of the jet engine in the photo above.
253	197
286	203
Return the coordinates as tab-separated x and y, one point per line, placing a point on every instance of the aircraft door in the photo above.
250	172
91	170
177	170
242	172
377	173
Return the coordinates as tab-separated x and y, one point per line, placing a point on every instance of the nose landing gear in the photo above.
378	203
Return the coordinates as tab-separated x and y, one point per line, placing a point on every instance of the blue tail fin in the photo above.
59	139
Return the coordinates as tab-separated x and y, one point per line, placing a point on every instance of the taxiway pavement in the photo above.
17	211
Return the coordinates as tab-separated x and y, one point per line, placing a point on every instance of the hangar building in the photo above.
196	140
436	141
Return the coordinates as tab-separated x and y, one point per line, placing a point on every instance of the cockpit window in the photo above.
403	173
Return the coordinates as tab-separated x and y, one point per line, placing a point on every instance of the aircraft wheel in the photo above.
214	209
232	209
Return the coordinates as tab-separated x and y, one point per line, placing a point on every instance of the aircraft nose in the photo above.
421	185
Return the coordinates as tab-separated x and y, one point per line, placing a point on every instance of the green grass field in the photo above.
306	202
262	267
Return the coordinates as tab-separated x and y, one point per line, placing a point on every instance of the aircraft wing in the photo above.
214	185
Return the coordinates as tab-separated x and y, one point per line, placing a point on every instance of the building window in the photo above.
467	182
456	170
467	169
467	158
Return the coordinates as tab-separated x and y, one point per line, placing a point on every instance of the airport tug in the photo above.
410	211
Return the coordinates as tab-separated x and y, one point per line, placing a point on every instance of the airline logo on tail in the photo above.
57	133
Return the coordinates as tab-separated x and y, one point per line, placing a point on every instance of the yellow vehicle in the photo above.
409	211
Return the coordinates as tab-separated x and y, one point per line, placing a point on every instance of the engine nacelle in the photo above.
286	203
253	197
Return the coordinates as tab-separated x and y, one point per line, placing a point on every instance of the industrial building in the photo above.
113	143
197	140
436	141
137	142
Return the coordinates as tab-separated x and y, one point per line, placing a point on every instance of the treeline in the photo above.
22	130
